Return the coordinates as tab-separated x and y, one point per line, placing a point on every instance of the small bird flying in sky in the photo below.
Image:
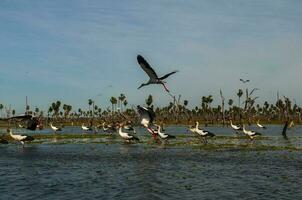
154	79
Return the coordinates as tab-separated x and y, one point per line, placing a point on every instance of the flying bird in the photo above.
31	122
244	81
147	116
154	79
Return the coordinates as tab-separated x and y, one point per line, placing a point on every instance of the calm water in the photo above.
141	171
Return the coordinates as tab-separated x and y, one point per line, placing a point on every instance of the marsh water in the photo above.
106	167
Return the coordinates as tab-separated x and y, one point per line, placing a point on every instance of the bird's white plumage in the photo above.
161	134
124	135
145	122
145	116
105	128
235	127
20	138
54	127
201	132
17	137
198	131
250	133
260	125
85	128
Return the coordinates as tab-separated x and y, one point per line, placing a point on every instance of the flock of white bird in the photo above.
147	117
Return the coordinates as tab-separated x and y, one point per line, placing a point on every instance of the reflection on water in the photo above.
140	171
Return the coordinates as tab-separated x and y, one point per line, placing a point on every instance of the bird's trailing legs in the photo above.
154	135
167	90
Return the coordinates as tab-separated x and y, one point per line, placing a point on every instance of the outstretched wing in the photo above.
18	117
23	117
167	75
146	113
152	114
146	67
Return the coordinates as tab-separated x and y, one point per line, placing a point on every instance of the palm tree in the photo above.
27	109
90	102
121	98
230	102
186	102
67	109
239	94
209	101
125	103
149	100
56	108
37	110
49	111
1	108
113	102
80	112
99	112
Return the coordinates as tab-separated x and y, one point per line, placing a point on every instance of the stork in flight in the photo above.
147	116
244	81
154	79
31	122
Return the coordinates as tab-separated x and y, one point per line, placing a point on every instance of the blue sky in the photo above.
73	50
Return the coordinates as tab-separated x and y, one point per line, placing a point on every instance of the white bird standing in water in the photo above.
125	135
260	126
235	127
251	134
163	135
202	133
86	128
154	79
20	138
55	128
